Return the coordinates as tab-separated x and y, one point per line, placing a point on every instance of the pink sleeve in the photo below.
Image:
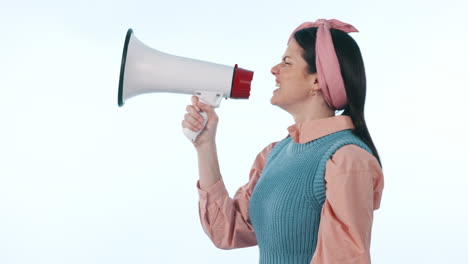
354	184
226	220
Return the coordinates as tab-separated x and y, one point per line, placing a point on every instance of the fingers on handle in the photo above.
191	126
195	122
195	101
193	111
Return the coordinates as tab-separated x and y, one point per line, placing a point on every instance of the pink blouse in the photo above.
354	185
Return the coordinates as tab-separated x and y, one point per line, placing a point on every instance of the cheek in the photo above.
295	87
291	93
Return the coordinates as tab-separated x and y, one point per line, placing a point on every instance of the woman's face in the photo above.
295	85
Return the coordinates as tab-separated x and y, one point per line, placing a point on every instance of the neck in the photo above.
312	111
301	119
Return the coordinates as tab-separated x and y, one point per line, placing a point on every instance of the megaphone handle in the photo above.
191	135
211	98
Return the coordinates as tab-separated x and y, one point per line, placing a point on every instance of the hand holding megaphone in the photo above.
146	70
208	99
200	118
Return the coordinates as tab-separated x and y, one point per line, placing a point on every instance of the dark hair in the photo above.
352	70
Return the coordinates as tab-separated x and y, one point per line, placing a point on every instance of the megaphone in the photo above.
146	70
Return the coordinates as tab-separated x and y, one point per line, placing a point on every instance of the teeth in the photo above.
277	85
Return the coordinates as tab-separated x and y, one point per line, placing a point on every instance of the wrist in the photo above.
207	146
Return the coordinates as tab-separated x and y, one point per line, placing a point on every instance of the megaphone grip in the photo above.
192	135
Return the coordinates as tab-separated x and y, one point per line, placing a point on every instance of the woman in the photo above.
310	197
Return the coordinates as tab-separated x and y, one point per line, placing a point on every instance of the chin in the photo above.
273	101
274	98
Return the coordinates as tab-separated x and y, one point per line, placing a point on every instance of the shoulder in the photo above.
263	155
354	167
265	151
352	157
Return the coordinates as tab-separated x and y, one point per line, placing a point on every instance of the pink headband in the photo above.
328	67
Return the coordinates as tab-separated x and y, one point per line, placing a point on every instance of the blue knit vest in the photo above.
287	200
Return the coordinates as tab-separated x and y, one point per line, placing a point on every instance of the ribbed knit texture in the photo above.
287	201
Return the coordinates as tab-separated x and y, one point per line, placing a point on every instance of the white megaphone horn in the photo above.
146	70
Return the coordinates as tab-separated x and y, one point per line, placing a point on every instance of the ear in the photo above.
314	83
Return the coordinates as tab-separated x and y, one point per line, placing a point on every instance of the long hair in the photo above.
352	70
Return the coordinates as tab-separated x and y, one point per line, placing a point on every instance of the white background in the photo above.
83	181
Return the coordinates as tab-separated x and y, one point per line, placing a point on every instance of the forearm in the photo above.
208	165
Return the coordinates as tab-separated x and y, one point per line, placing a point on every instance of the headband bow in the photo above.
328	67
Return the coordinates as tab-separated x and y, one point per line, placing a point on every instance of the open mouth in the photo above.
277	87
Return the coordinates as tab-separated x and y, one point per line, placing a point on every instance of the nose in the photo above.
275	69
